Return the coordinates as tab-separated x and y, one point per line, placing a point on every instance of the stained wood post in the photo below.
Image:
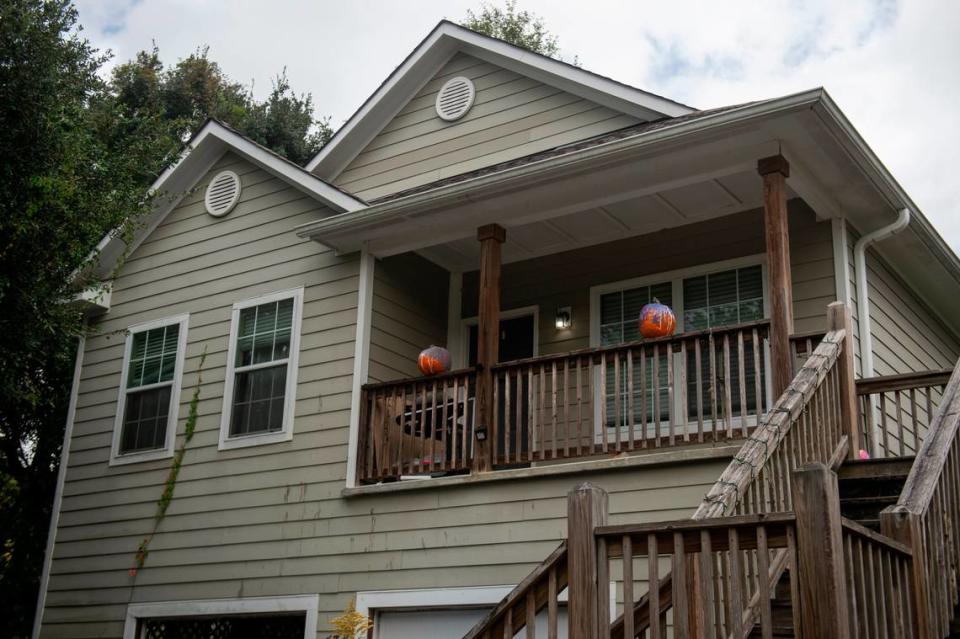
775	170
491	237
822	584
900	524
586	608
838	317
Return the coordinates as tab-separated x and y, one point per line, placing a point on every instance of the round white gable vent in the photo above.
222	193
455	98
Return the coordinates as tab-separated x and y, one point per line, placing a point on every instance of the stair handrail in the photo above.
728	493
538	590
926	517
832	358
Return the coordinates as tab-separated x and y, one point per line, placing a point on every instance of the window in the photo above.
149	391
720	299
712	296
261	370
619	312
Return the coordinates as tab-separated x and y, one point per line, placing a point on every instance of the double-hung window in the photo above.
261	370
709	297
149	391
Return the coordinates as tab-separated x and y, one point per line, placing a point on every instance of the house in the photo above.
519	211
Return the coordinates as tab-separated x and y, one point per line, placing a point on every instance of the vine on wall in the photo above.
171	483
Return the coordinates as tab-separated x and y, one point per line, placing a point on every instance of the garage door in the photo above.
446	623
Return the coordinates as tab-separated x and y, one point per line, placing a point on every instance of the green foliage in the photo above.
168	104
62	187
170	485
79	153
521	28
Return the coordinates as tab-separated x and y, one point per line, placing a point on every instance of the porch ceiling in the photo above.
616	219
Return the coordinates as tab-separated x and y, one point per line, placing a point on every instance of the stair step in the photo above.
874	468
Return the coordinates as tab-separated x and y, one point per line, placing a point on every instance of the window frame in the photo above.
116	457
675	278
227	441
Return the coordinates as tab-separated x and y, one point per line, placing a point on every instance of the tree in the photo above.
65	189
172	103
521	28
81	153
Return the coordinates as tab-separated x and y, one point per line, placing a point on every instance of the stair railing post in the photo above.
587	508
898	523
838	317
822	584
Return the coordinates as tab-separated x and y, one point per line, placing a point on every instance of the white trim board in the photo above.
369	602
290	392
308	604
361	359
116	458
436	49
58	494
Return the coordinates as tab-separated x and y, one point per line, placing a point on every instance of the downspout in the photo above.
863	295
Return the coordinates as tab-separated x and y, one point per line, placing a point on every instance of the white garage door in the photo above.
446	624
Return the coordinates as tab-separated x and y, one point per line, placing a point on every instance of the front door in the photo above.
516	342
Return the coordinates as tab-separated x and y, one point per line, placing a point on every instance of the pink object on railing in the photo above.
863	454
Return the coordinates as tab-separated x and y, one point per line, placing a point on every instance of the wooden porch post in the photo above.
491	237
899	523
587	605
838	317
822	583
775	171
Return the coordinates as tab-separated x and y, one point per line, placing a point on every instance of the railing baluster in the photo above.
630	400
643	395
617	399
742	382
653	585
699	376
628	600
684	412
531	436
579	407
671	406
656	394
603	400
566	408
727	390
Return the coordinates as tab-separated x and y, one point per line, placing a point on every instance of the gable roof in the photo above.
443	43
203	150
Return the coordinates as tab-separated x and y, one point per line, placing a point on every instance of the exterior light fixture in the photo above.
564	317
481	433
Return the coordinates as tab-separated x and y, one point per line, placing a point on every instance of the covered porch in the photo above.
541	321
532	275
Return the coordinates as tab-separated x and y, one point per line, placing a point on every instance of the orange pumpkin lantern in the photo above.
434	360
657	320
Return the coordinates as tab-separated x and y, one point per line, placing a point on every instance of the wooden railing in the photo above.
877	571
895	411
737	563
810	422
416	426
540	589
926	518
693	387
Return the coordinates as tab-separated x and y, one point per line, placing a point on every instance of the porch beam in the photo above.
491	236
774	170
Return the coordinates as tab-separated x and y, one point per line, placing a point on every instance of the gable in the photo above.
513	115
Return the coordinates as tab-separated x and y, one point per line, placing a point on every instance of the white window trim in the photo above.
308	604
371	602
289	401
675	278
512	313
166	451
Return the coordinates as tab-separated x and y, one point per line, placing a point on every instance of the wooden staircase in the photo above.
869	486
797	538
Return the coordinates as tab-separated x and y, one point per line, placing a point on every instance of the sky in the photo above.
891	66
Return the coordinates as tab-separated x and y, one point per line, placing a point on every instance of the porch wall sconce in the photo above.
564	317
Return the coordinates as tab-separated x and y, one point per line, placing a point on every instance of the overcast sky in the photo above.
893	67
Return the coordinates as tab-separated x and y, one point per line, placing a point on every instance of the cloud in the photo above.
890	66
